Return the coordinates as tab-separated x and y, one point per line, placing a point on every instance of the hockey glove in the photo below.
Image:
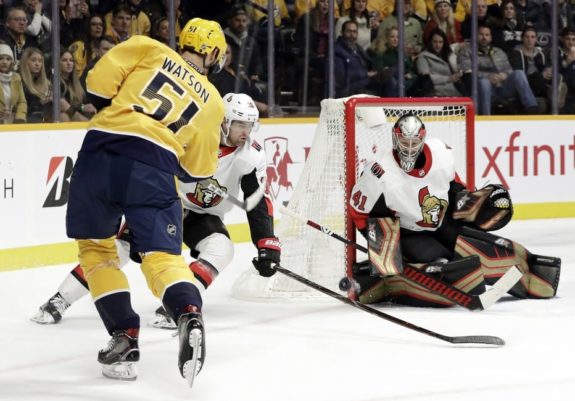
268	253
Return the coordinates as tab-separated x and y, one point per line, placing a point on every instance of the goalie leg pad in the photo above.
412	288
383	246
540	273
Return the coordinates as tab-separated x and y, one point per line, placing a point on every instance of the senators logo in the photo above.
203	196
432	209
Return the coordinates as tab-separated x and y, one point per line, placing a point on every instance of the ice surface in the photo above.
301	351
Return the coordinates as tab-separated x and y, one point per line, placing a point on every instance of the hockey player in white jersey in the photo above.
412	200
242	164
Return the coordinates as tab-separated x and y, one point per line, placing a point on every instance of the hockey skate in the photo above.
52	311
162	320
192	344
119	358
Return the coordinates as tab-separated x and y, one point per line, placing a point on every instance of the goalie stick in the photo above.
441	288
248	204
474	339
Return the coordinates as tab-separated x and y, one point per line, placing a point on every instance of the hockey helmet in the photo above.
203	37
239	107
408	135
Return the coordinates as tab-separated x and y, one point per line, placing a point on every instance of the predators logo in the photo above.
432	209
203	196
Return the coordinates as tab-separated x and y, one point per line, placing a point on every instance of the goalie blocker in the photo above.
480	259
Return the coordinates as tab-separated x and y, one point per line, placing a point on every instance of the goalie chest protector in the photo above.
419	198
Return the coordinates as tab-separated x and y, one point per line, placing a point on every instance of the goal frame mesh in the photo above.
249	285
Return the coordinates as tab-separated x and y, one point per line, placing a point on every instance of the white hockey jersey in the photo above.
233	165
419	198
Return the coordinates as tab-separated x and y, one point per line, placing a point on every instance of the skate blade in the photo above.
193	366
120	371
43	318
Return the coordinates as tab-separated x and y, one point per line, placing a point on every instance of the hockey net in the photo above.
350	132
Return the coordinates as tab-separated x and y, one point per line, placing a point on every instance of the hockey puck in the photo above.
344	284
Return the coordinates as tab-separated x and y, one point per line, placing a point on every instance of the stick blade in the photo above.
255	198
504	284
488	340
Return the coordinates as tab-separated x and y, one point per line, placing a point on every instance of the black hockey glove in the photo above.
268	253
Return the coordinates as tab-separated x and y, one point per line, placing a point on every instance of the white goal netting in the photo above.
335	160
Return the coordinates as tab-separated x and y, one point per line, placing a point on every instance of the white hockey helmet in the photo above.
239	107
408	139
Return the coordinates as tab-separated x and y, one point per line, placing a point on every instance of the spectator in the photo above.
353	72
413	32
566	13
484	18
39	25
161	31
497	80
383	57
160	11
246	55
228	81
13	106
302	7
378	9
37	87
72	96
74	15
86	49
367	25
443	19
567	55
463	9
258	12
512	27
439	63
15	35
139	22
532	13
104	44
119	27
536	64
313	26
421	9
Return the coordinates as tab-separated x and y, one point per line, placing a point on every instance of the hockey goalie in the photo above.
417	216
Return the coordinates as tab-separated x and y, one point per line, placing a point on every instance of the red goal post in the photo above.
349	133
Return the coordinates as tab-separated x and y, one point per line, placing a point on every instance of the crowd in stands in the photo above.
513	39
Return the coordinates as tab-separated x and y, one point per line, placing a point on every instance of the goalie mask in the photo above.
408	135
241	117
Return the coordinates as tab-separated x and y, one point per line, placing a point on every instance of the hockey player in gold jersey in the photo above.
158	118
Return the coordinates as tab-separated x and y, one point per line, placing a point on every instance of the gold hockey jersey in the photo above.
158	97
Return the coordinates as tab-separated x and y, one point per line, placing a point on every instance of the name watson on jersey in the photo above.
185	74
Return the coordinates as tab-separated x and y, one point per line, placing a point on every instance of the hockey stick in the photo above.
491	340
248	204
441	288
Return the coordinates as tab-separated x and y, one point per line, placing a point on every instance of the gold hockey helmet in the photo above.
204	36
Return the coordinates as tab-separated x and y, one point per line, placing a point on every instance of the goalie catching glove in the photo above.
269	251
489	208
